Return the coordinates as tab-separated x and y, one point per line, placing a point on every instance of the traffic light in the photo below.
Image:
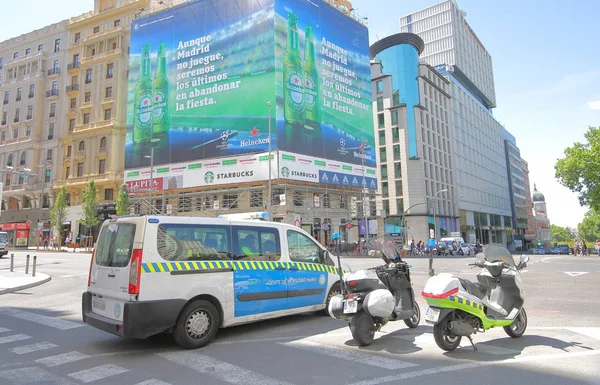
539	243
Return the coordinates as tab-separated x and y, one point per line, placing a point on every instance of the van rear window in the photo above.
115	245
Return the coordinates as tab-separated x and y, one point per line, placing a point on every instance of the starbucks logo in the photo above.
209	177
285	172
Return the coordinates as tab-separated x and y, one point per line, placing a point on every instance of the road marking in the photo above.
220	370
4	330
53	322
354	356
33	375
98	373
67	276
14	338
472	365
33	348
153	382
61	359
575	273
589	332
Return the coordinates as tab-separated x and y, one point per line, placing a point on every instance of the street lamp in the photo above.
151	157
431	273
270	202
363	146
402	220
41	203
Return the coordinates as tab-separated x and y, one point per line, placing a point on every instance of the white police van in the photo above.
190	276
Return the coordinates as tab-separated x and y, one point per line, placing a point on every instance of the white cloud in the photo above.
593	105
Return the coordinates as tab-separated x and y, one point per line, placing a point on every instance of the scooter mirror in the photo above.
524	258
372	253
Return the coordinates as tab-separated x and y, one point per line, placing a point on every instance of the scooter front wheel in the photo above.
362	328
519	325
414	321
444	338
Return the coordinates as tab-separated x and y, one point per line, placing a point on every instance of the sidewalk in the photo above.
18	280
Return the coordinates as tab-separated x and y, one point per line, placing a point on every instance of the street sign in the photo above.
349	226
335	236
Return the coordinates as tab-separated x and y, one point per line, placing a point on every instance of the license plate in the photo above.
432	315
98	303
350	307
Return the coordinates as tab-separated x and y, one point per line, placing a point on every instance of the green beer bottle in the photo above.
312	114
293	89
142	99
160	102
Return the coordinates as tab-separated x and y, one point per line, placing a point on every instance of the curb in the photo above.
23	287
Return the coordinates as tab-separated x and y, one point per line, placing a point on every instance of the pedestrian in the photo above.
584	250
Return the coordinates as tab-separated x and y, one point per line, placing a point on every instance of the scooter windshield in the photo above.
496	252
386	244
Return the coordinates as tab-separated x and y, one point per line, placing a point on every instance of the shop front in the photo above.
18	233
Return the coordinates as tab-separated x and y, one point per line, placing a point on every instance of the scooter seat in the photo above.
475	289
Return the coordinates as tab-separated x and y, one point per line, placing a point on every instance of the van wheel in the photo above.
197	325
335	290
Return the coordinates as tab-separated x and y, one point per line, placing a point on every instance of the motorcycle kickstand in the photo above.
472	343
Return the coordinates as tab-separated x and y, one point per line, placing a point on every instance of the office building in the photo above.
530	233
32	68
411	111
516	186
542	222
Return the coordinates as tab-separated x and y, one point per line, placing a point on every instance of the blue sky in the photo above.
546	68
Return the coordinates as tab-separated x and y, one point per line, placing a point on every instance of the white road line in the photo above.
351	355
53	322
590	332
153	382
33	375
220	370
33	348
98	373
67	276
61	359
472	365
4	330
14	338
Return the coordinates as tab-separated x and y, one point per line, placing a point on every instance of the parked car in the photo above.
555	250
564	249
539	251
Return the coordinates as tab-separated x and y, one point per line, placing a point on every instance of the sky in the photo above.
547	77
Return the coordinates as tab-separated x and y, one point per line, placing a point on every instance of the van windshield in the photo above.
115	245
4	238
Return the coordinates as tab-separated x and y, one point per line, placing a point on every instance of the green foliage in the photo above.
579	170
589	228
89	216
123	202
560	234
58	213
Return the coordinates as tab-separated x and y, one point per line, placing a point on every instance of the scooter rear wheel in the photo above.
443	338
519	325
362	328
414	321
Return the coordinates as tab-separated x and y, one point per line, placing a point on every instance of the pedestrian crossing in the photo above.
28	359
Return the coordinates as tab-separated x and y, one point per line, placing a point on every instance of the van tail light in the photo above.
91	264
134	272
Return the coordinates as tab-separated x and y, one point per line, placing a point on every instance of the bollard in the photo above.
431	272
33	267
12	262
27	265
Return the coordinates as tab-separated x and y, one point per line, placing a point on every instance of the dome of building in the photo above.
538	196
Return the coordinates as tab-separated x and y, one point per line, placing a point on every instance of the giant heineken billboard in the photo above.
205	77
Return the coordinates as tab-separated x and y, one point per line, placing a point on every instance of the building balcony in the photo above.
72	89
52	94
5	101
73	67
24	59
16	120
106	101
30	95
94	126
52	115
29	117
102	56
3	123
104	34
54	72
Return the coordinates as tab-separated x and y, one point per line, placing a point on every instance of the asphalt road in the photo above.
43	341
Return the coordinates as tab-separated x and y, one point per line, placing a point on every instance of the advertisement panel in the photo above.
323	83
200	77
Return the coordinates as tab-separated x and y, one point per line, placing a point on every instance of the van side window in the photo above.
302	249
193	242
257	243
115	245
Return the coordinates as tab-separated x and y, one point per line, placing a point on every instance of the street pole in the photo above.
270	202
431	272
364	198
40	204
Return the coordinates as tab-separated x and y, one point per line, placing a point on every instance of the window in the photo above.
87	97
17	114
51	131
27	51
107	114
31	91
28	131
380	121
86	118
49	154
52	110
73	103
102	166
21	178
96	29
380	104
79	169
15	133
76	60
397	152
256	198
23	159
397	170
230	201
302	249
4	117
395	117
399	190
88	76
3	135
384	174
69	150
9	161
19	94
400	205
29	112
54	86
109	71
184	242
82	146
68	172
6	96
71	125
109	194
1	63
380	86
395	135
57	45
56	66
382	155
47	176
103	142
385	190
256	243
40	47
15	55
77	37
117	23
108	93
115	245
382	137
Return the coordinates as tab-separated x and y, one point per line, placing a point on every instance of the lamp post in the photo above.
403	215
151	157
363	145
41	203
270	202
431	272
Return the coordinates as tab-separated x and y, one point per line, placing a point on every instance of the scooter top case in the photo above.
446	291
363	281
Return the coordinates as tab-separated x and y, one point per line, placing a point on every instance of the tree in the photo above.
579	170
58	213
589	228
123	202
560	234
89	216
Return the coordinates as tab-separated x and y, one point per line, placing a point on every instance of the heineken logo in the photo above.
209	177
254	132
256	142
285	172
